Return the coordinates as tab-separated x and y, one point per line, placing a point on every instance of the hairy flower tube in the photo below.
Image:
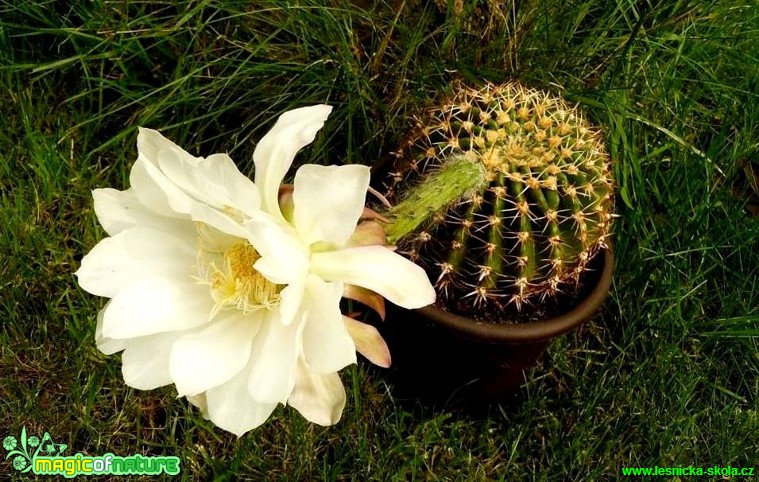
229	289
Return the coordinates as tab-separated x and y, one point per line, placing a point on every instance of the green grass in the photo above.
665	375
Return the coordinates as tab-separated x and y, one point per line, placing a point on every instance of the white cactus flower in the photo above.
230	289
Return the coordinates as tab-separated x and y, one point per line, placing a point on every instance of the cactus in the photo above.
515	194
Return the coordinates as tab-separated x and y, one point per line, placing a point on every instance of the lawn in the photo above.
666	374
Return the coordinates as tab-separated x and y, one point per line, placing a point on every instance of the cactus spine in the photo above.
529	223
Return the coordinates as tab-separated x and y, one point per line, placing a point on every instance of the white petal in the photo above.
272	374
292	300
243	193
368	342
107	346
145	362
329	201
156	192
120	210
231	407
284	259
327	346
215	181
378	269
275	152
319	398
199	401
151	143
133	254
220	221
154	305
210	357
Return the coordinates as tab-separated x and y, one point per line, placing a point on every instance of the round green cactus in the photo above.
507	194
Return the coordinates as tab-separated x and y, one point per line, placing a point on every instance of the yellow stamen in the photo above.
238	284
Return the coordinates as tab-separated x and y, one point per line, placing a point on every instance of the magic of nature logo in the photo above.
44	456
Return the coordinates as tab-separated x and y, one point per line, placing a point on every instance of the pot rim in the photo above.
537	331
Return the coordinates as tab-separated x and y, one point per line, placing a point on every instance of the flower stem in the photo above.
457	179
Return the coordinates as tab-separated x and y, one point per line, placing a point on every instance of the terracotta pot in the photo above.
441	356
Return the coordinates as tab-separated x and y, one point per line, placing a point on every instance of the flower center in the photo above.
236	283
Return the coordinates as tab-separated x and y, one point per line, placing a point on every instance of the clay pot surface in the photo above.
440	356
